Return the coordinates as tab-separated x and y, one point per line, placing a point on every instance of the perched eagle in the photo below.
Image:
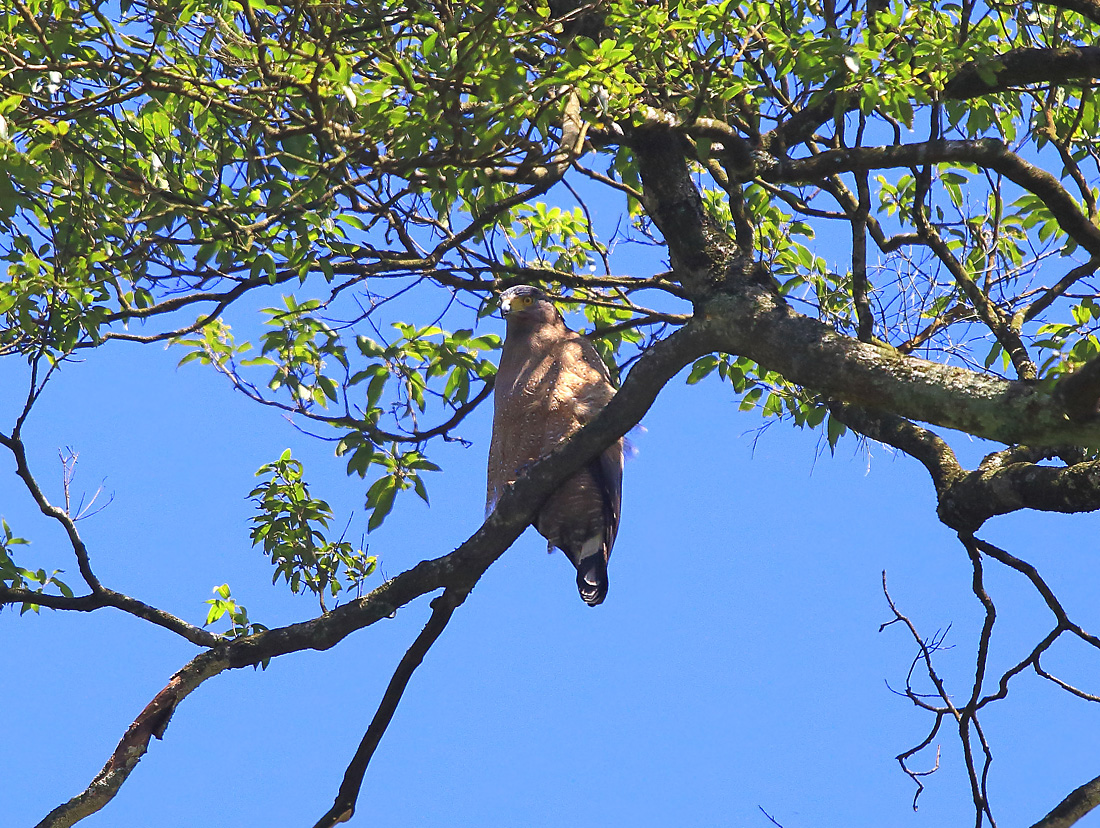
551	382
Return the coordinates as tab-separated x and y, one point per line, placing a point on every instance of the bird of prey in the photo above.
551	382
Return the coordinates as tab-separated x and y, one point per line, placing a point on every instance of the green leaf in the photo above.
381	503
701	367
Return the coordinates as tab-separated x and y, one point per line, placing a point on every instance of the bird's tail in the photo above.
592	579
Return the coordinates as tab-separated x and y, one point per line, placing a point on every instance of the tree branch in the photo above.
738	312
151	722
1051	294
984	152
458	570
750	320
920	443
14	444
343	808
1079	392
1020	67
973	498
1073	807
104	597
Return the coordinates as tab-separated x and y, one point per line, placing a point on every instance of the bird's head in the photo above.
527	306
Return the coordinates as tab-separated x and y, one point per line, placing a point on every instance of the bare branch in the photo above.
343	808
14	444
1063	284
103	597
968	719
925	654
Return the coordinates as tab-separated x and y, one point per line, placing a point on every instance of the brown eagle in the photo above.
551	382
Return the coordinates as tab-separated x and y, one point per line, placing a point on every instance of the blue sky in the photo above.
737	664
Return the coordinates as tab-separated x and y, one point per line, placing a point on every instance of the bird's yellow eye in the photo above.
527	300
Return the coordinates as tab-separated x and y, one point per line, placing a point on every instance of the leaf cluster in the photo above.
14	576
291	527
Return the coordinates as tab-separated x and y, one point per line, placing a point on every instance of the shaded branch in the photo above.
343	808
973	498
860	282
1073	807
1079	392
1020	67
699	249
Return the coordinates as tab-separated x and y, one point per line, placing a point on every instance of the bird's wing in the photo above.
581	392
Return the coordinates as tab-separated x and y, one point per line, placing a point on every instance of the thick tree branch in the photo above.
979	495
752	321
699	249
1073	807
1020	67
968	499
